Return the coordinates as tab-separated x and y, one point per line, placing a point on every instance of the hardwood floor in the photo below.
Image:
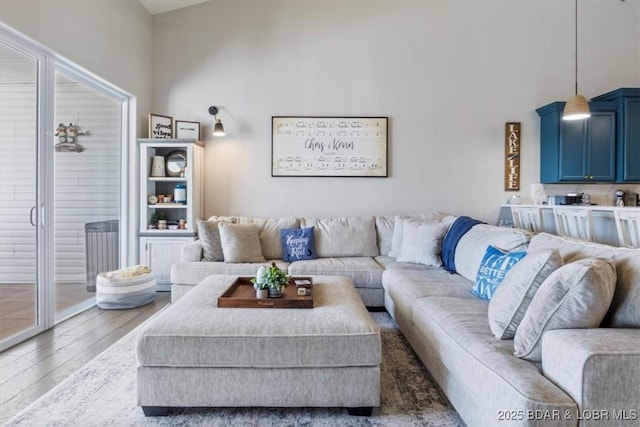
30	369
18	303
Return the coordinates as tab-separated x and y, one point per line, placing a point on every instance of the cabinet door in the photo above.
630	141
573	151
601	147
587	149
160	253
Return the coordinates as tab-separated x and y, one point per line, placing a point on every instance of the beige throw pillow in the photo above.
513	296
421	242
577	295
209	236
240	242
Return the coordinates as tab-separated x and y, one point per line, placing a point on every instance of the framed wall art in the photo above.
185	129
160	127
329	146
512	156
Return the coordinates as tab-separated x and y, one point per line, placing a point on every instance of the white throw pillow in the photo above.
513	296
577	295
240	242
421	242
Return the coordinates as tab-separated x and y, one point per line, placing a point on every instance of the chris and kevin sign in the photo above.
329	146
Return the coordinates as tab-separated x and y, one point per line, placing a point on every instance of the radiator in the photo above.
102	248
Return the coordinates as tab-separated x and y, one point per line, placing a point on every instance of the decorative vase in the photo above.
262	293
157	166
275	292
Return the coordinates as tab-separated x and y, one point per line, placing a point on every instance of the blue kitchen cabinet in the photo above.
627	101
578	151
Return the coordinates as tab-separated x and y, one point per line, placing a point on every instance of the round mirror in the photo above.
176	162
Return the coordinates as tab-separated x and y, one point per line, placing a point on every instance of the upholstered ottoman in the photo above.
196	354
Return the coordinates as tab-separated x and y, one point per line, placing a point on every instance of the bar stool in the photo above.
574	222
628	226
528	218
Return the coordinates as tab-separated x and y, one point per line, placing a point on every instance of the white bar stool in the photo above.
528	218
574	222
628	226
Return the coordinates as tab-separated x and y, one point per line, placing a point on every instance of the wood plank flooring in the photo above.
18	304
30	369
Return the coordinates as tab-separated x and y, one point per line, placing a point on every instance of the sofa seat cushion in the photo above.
625	307
364	272
194	332
483	365
191	273
415	284
390	263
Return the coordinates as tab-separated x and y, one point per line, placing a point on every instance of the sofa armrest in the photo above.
599	369
191	252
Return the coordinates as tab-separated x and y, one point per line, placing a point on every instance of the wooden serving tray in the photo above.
242	294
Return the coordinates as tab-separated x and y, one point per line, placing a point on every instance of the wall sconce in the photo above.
218	129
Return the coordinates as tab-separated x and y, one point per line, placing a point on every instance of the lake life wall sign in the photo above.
512	156
329	146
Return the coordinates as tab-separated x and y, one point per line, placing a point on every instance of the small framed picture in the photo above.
160	127
185	129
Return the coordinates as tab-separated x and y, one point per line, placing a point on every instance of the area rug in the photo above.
103	393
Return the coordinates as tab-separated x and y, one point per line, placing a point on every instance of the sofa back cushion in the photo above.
268	230
624	311
344	237
473	245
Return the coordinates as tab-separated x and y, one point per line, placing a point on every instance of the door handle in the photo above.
31	216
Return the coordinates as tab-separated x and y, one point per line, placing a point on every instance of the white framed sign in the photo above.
329	146
185	129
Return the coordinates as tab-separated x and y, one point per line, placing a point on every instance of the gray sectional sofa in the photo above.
586	376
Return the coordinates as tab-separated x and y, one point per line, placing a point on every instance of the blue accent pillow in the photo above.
494	266
298	244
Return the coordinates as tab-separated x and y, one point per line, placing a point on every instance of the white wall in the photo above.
448	74
110	38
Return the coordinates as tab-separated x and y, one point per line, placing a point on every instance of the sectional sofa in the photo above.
586	376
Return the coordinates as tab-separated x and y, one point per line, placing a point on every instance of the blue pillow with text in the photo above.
298	244
494	266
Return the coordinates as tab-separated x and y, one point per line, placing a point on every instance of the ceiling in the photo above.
161	6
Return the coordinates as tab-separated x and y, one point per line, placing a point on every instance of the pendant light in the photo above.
577	107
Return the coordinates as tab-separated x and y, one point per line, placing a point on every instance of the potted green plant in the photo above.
272	279
157	216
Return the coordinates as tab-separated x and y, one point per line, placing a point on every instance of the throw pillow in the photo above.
421	242
493	268
396	237
577	295
209	236
240	242
513	296
298	244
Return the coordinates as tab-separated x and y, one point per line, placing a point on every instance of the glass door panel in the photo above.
87	188
18	195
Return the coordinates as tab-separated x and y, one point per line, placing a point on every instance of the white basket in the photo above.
125	292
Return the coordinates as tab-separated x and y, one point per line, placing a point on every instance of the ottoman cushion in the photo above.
194	332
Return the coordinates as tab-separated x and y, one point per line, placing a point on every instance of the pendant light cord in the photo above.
576	46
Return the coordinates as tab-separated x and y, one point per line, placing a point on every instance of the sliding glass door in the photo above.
19	212
63	152
86	187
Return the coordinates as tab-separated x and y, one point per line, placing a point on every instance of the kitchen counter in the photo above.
603	222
